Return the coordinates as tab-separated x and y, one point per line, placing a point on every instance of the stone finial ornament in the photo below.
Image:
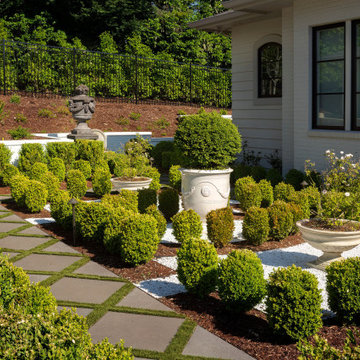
82	107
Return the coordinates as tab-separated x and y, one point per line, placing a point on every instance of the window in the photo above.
329	77
355	98
270	70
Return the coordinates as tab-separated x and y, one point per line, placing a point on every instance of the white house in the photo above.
296	75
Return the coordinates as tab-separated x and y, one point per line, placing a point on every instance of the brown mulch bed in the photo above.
106	116
249	332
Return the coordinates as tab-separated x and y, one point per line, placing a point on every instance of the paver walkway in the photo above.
114	307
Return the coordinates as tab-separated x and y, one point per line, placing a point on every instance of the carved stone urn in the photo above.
205	190
82	108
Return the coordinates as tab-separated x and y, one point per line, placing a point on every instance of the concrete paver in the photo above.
9	254
35	278
139	299
5	227
33	231
139	331
41	262
93	268
204	343
80	311
84	290
2	208
61	247
21	242
12	217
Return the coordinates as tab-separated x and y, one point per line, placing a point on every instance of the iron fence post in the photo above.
4	65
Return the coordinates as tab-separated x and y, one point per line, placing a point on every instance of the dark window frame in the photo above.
260	96
354	74
314	76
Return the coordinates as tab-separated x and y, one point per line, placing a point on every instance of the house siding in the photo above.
308	143
259	122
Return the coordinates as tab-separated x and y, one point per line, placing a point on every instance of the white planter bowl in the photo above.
331	243
205	190
134	184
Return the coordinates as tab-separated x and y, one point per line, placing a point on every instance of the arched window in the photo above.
270	70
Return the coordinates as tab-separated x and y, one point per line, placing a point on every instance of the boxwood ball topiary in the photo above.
52	184
61	150
207	141
295	177
280	220
160	219
197	266
138	239
29	155
267	193
152	173
159	148
248	195
18	186
101	182
57	167
36	196
5	156
343	288
126	199
90	150
186	224
8	173
169	203
283	191
76	183
220	226
146	198
256	227
175	177
84	166
293	304
313	195
37	171
241	281
61	210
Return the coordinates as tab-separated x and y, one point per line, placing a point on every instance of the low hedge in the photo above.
91	151
84	166
126	199
61	150
35	196
76	184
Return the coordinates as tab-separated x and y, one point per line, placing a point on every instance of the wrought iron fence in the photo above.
42	69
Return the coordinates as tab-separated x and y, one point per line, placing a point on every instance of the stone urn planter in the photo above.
331	243
205	190
135	183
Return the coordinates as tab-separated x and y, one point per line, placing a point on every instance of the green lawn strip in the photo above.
40	272
141	311
4	214
102	309
147	354
181	338
58	275
74	304
32	235
14	231
98	277
57	253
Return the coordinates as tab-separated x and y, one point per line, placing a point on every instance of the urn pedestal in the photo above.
205	190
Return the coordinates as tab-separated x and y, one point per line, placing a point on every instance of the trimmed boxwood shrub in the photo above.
84	166
169	203
158	150
240	183
301	200
186	224
283	191
220	226
256	227
52	184
293	305
313	195
118	164
57	167
240	171
90	150
161	221
167	158
152	173
197	266
18	186
241	281
280	220
101	182
207	141
274	176
5	156
76	183
343	288
126	199
146	198
91	219
37	171
297	214
8	173
248	194
62	150
175	177
29	155
137	239
295	177
258	173
61	210
35	196
267	193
